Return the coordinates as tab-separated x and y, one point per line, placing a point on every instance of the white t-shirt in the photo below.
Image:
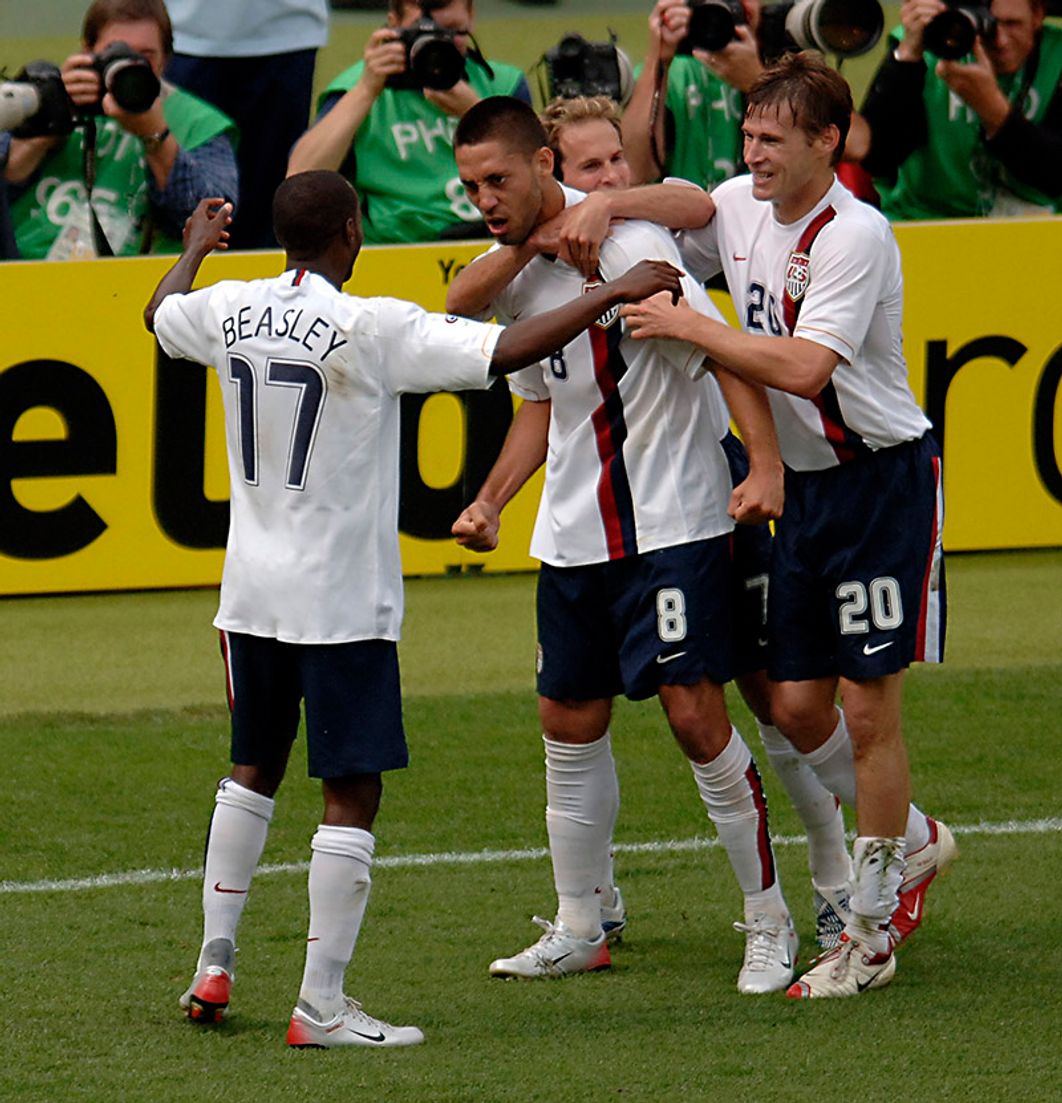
850	288
634	461
311	379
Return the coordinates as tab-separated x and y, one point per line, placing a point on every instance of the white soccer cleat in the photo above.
558	953
845	971
349	1027
614	916
919	872
832	912
771	946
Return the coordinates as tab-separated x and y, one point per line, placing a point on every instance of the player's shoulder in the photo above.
635	240
736	190
855	219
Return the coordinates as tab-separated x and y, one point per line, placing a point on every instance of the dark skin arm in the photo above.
530	339
205	231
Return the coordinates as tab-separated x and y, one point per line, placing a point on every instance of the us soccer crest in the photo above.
610	316
797	274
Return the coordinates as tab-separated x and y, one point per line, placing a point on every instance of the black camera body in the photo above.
36	104
952	34
432	58
576	67
713	24
127	76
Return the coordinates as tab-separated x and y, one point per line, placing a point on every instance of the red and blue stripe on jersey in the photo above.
614	497
846	444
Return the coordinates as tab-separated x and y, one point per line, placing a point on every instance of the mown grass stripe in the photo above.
1047	826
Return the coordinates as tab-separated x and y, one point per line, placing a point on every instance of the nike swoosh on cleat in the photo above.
736	257
369	1037
916	911
237	892
669	658
868	650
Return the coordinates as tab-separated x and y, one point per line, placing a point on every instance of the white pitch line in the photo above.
1047	826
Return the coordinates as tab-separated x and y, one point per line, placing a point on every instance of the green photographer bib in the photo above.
707	114
51	217
404	151
953	175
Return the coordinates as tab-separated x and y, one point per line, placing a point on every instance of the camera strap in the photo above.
88	162
656	149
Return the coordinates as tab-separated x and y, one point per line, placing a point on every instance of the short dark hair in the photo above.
102	12
817	95
310	209
502	118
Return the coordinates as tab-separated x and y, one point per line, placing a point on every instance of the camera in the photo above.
128	77
432	59
844	28
951	34
575	67
35	103
713	24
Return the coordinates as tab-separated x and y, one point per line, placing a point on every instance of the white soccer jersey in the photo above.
311	380
833	277
634	460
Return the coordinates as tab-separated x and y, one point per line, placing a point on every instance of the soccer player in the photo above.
311	595
857	579
587	142
633	532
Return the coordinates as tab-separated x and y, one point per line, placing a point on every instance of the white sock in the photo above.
339	886
917	834
235	840
833	763
819	810
834	767
878	865
733	795
582	794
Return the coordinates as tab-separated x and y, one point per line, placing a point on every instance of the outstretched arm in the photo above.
522	454
791	364
577	232
531	339
205	231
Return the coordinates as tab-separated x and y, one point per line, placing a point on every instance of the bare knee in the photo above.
574	721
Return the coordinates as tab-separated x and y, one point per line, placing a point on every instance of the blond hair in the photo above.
561	113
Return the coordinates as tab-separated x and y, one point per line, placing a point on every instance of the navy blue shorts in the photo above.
857	577
752	565
632	625
353	703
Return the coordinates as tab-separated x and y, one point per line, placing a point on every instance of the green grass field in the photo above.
112	738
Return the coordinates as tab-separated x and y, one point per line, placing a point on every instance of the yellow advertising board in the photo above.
112	465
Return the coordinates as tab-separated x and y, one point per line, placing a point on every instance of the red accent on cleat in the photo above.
209	999
923	867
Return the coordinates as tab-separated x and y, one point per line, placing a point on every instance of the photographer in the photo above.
979	135
152	166
393	138
684	117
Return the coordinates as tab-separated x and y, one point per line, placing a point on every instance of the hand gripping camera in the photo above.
432	58
952	33
713	24
127	76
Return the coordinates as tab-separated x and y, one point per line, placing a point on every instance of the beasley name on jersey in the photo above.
311	380
634	461
844	291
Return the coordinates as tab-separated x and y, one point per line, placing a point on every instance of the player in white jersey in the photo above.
857	585
311	596
584	134
633	534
